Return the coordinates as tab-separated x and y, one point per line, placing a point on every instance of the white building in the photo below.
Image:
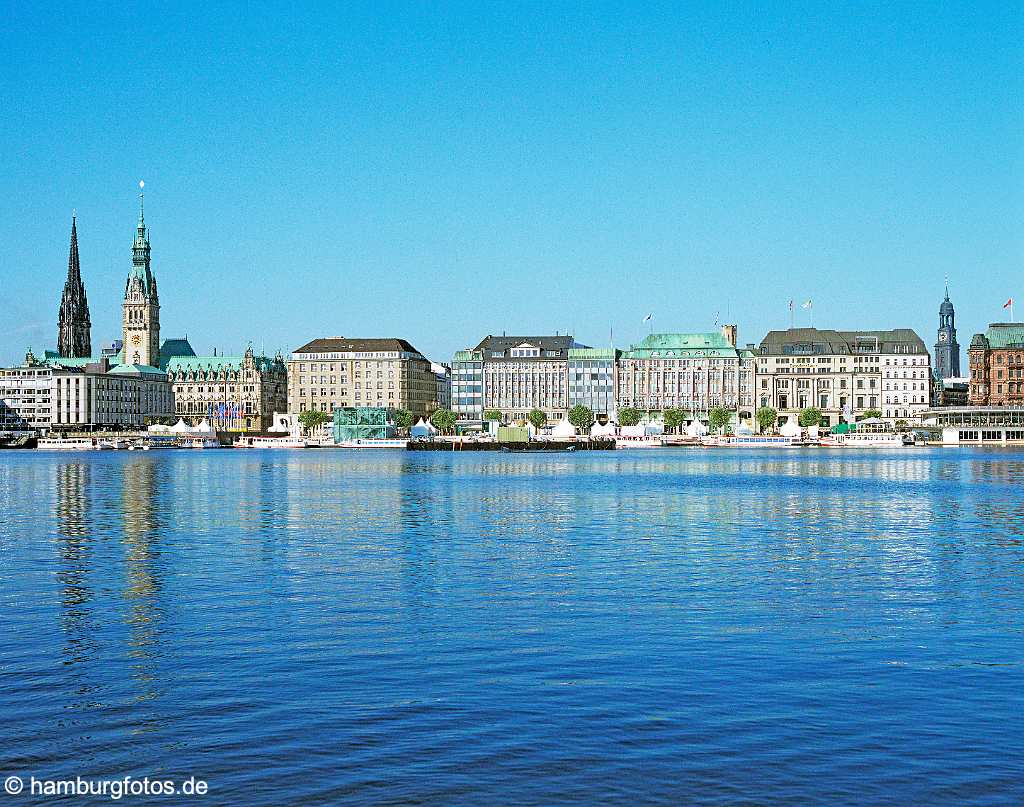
72	394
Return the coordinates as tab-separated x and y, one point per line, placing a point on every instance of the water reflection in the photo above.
143	583
74	545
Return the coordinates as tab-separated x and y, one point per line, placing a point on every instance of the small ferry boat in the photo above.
865	440
70	444
647	441
198	441
752	441
270	442
372	442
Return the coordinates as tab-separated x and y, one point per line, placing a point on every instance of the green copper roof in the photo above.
1005	334
53	358
682	345
215	363
136	369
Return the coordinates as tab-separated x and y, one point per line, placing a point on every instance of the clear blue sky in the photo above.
444	172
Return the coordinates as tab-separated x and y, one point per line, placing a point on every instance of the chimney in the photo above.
729	332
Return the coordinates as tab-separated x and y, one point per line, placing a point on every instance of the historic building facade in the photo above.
691	371
74	329
139	380
947	349
233	393
996	360
844	373
338	372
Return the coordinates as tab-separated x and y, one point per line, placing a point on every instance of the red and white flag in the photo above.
1008	303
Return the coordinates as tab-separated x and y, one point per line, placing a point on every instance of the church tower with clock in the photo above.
141	317
947	350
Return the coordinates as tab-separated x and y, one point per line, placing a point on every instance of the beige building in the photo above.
390	373
844	373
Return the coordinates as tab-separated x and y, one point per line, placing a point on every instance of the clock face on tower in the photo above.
136	339
943	336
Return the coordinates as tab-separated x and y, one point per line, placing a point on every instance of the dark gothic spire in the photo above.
74	338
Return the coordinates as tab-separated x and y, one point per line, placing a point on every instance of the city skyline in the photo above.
561	173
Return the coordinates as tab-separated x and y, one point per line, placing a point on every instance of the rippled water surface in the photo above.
327	627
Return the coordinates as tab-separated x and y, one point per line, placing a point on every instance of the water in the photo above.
323	627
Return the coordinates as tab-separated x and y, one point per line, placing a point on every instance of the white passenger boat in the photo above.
371	442
752	441
69	444
198	441
647	441
270	442
865	440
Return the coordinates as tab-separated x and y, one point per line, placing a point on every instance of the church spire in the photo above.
74	338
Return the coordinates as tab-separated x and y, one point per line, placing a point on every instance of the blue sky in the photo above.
441	172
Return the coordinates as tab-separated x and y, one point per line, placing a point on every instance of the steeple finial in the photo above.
142	193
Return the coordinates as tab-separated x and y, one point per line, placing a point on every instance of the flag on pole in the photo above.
1008	303
808	304
648	317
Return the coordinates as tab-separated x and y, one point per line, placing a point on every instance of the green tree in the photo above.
871	413
312	420
444	420
492	414
719	417
537	418
675	419
811	416
628	416
404	419
901	426
582	418
766	417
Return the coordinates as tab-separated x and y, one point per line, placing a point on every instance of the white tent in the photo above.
181	427
696	429
204	427
633	431
607	430
423	429
158	428
563	429
790	428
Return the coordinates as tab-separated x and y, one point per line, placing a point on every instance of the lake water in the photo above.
660	626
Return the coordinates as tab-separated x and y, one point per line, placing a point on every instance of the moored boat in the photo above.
647	441
865	440
753	441
270	442
198	441
378	442
68	444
